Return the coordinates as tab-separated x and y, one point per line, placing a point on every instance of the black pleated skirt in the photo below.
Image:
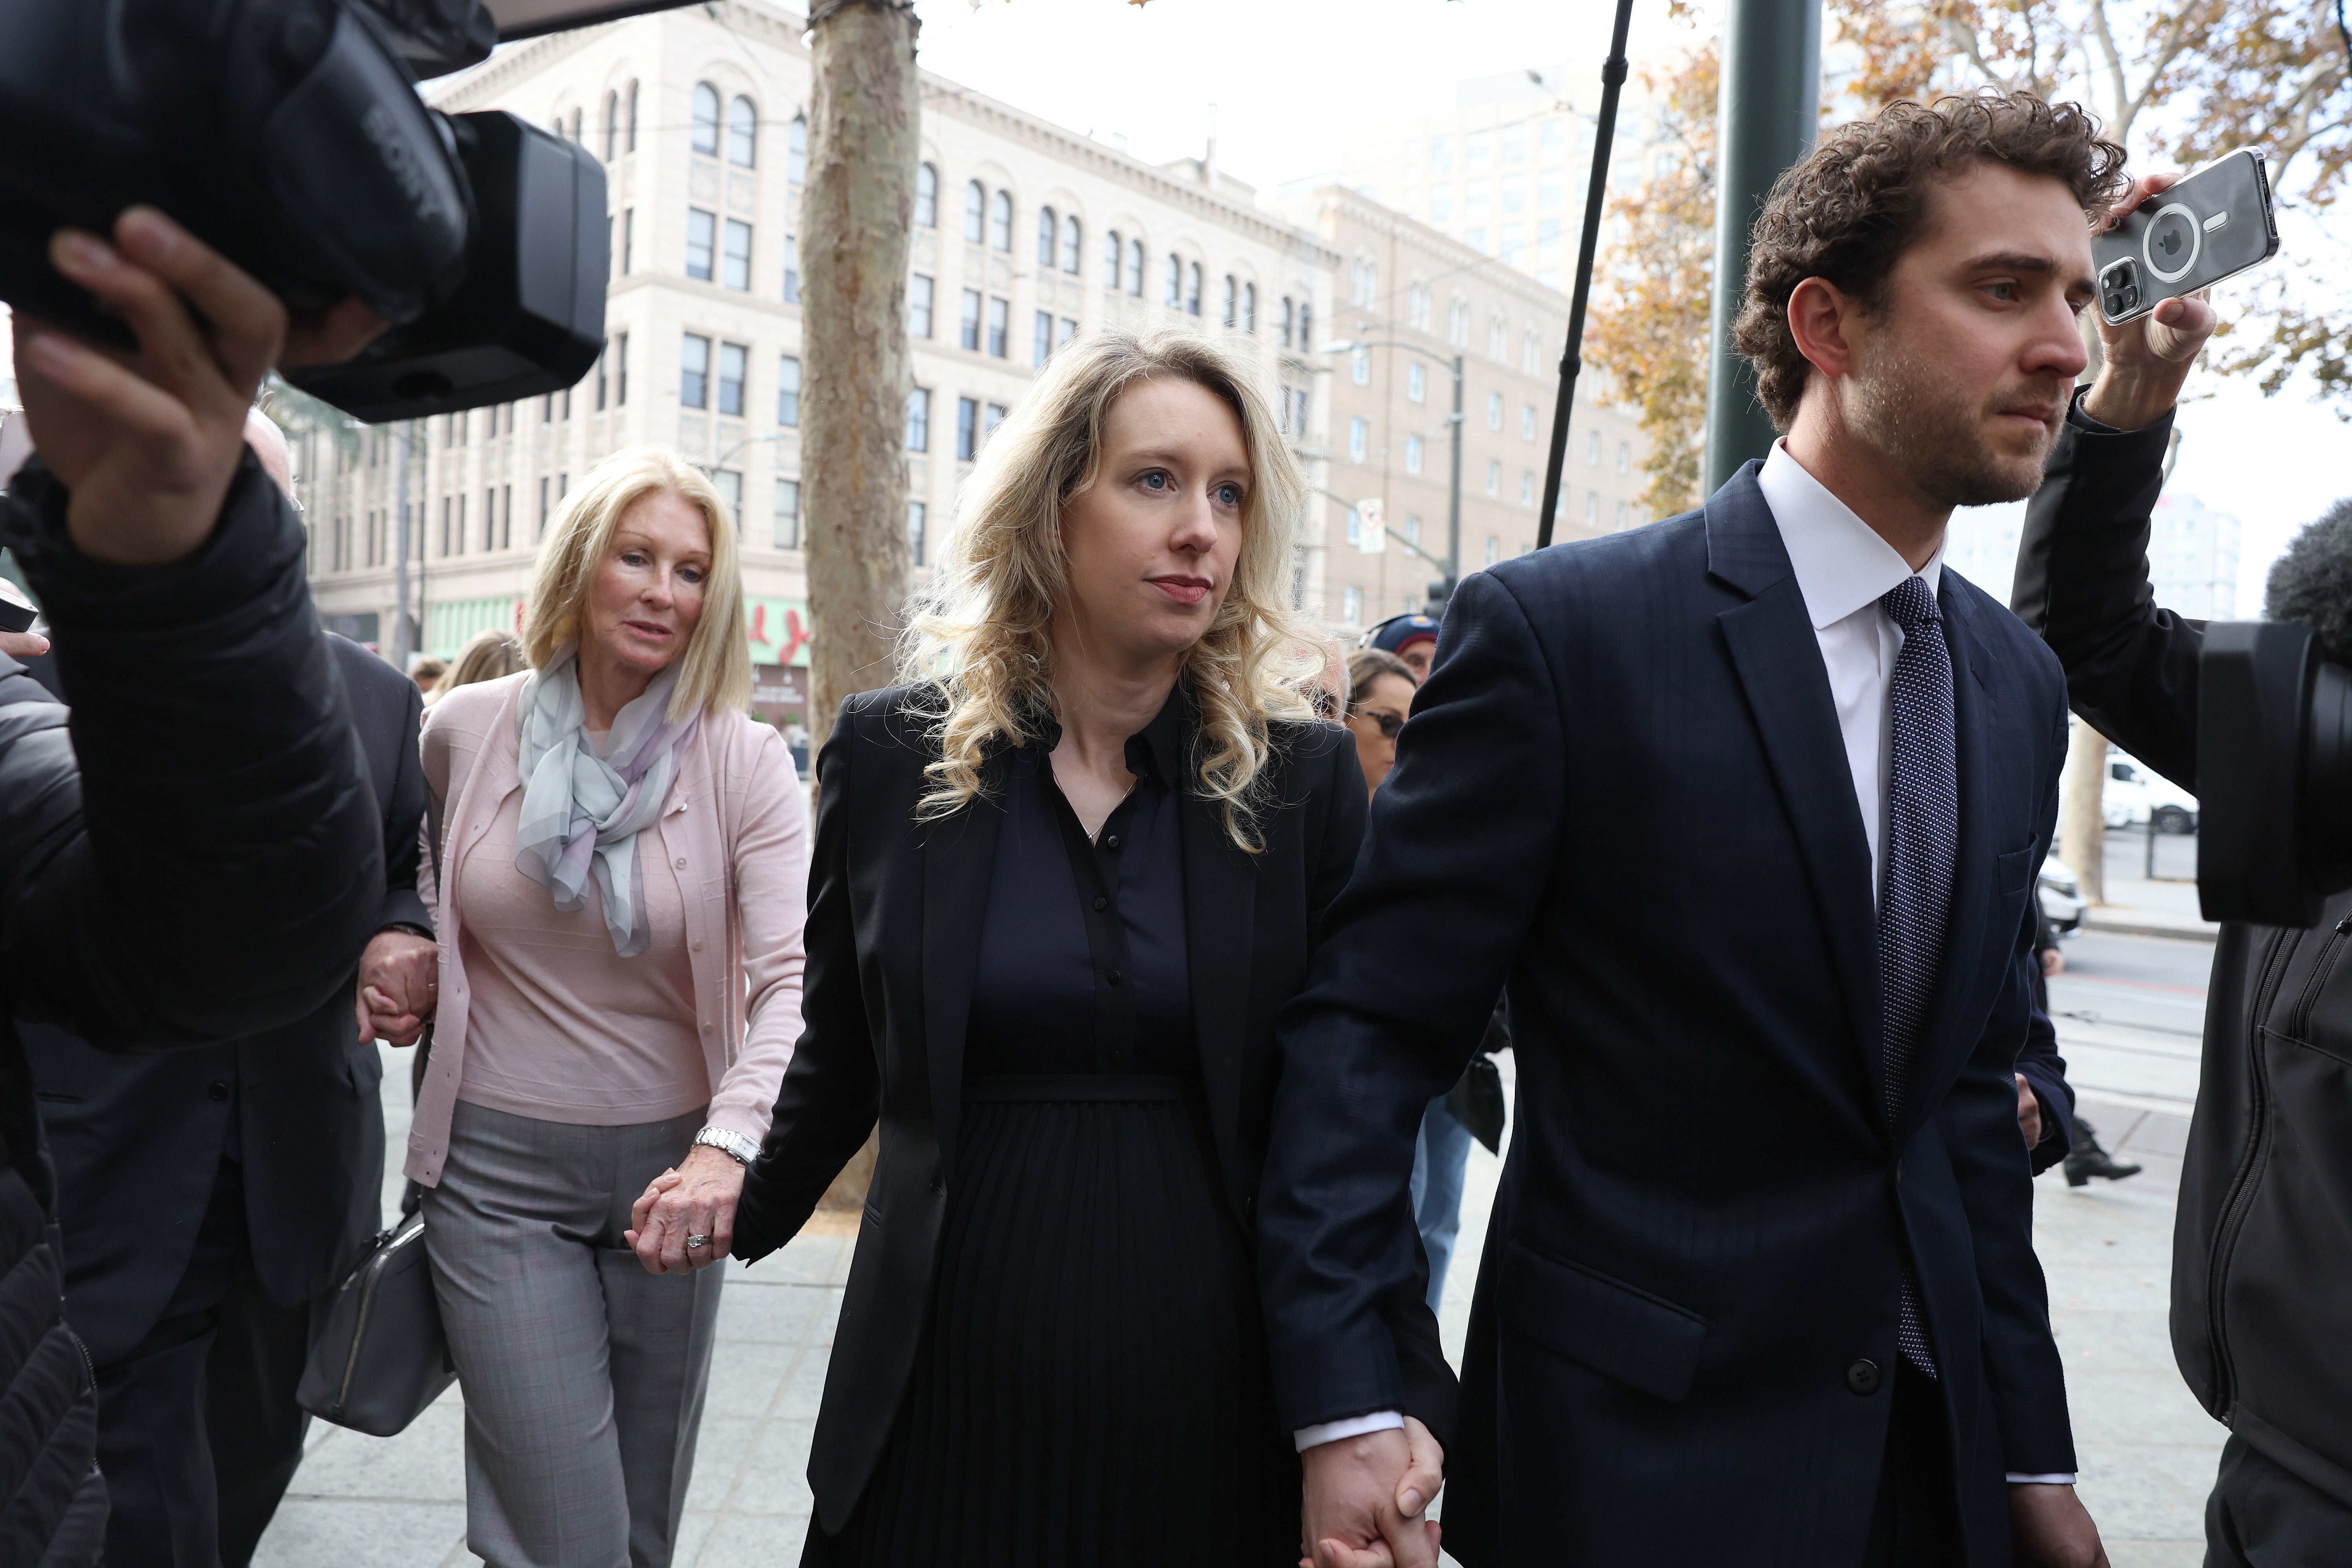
1092	1386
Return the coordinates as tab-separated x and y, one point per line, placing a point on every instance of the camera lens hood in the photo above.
2274	775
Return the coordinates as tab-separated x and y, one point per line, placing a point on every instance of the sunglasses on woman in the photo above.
1390	723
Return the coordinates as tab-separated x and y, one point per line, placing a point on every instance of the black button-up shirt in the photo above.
1083	966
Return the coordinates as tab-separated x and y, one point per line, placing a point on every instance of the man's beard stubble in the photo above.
1935	438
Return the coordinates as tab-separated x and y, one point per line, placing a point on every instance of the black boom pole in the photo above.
1572	357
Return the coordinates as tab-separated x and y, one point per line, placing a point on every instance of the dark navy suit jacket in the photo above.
1665	1362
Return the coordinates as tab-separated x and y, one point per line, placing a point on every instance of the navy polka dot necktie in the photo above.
1919	849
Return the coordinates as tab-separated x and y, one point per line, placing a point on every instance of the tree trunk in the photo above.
857	212
856	220
2082	830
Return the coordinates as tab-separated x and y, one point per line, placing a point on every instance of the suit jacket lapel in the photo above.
958	858
1219	907
1944	1045
1779	662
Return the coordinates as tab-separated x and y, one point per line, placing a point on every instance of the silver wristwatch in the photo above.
727	1142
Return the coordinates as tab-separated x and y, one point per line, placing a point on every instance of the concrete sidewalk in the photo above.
2147	1452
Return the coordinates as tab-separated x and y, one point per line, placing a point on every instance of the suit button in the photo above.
1112	842
1101	904
1862	1377
217	1090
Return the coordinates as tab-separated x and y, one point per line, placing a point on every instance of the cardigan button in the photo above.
681	862
698	947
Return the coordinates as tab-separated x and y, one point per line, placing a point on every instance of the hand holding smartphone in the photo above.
2214	225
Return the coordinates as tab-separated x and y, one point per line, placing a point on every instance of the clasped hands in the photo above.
696	1197
1366	1501
400	981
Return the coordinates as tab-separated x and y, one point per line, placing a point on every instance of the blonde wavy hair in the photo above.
979	639
717	664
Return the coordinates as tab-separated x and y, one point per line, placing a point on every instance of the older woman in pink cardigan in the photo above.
623	858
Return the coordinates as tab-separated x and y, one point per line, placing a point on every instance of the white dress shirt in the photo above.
1843	568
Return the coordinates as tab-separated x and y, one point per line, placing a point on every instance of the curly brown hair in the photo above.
1861	196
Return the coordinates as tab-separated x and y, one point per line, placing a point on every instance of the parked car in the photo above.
2061	892
2135	796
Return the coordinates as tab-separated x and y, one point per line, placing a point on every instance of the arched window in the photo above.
706	118
742	133
1289	320
1175	280
632	142
1073	245
1232	301
975	213
1193	290
1049	230
1305	326
1114	250
796	150
927	196
1135	268
611	125
999	222
1249	307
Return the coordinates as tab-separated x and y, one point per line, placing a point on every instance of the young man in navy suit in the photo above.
1760	1286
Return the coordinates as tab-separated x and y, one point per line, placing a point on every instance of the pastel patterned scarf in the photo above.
582	808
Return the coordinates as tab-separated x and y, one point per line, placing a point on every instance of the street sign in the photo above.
1371	527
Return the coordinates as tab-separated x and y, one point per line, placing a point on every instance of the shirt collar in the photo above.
1154	752
1842	564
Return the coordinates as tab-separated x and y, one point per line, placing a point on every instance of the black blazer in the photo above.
896	910
1666	1349
138	1136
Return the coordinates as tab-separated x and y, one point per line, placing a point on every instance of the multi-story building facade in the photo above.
1419	303
1026	236
1505	169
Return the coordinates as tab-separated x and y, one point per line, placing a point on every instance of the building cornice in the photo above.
945	96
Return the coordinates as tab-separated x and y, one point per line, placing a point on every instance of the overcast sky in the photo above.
1288	78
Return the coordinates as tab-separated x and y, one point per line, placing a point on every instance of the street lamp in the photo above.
1453	562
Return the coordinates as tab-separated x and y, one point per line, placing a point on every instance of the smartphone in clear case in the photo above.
2213	225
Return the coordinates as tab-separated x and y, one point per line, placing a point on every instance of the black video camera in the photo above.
2274	775
288	135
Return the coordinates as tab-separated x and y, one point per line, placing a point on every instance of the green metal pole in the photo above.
1766	120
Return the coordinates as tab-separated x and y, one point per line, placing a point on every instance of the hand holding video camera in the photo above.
147	442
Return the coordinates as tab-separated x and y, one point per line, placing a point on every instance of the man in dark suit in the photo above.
1808	1328
209	1194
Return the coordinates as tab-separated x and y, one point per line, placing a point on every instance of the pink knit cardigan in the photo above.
736	830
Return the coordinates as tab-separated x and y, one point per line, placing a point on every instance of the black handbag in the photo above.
380	1357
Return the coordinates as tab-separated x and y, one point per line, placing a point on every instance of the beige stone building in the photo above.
1026	235
1388	410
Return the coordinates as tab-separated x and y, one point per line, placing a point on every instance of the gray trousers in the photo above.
582	1373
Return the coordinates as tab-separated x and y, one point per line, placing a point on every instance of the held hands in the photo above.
1367	1500
400	981
2049	1528
147	443
2146	360
697	1198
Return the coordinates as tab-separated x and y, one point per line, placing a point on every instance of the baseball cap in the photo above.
1391	635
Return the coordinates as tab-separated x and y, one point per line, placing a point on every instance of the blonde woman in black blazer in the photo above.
1063	884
